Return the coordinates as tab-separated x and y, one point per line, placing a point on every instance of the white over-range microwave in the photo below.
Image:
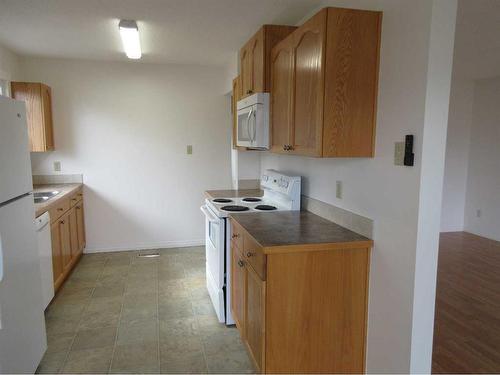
252	127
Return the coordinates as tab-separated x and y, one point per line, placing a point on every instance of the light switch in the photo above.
57	166
338	190
399	153
189	149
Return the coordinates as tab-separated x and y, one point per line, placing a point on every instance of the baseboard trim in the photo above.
159	245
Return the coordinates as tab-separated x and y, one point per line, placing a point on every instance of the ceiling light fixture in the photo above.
130	38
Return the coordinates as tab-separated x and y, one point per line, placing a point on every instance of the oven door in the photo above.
215	254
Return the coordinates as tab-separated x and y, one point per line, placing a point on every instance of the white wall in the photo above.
125	126
457	154
439	71
9	65
388	194
483	182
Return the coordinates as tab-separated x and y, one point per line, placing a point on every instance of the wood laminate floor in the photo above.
467	325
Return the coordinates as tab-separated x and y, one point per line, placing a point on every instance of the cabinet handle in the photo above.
80	194
249	254
284	147
61	222
290	147
240	263
73	199
249	91
60	209
235	236
77	207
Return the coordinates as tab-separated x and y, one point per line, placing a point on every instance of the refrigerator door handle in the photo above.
1	259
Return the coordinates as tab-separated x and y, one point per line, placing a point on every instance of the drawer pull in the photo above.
61	222
73	199
249	254
60	209
235	235
240	263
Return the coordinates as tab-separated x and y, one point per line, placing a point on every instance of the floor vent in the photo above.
148	255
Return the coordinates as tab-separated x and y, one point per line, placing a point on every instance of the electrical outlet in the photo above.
399	153
57	166
338	190
478	212
189	149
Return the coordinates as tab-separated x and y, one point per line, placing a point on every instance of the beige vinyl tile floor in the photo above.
120	313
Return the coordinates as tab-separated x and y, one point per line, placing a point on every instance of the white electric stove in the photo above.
281	193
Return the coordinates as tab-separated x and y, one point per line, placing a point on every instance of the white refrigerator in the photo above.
23	338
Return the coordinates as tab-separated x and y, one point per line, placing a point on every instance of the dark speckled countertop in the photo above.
212	194
298	228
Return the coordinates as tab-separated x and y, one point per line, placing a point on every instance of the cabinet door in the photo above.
47	117
257	61
351	76
80	226
38	113
238	289
255	317
64	232
73	232
30	94
281	95
57	265
235	97
246	69
309	52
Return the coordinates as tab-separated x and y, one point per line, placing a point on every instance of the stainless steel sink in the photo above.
44	196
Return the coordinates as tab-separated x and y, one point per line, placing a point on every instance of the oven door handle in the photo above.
209	215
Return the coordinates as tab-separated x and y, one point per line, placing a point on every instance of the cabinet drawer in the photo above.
75	197
254	255
59	209
236	235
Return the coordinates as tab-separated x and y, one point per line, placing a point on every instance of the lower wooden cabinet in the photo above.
255	316
68	236
307	312
238	282
80	226
73	232
57	263
65	236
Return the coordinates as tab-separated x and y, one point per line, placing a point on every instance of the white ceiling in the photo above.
174	31
477	39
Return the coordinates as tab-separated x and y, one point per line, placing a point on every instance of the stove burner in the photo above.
251	200
222	200
235	208
265	207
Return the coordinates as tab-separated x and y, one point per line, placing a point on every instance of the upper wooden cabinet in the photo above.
38	113
324	85
234	101
255	58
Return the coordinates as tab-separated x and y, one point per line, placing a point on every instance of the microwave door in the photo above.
260	129
243	127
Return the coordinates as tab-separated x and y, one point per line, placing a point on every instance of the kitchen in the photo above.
135	147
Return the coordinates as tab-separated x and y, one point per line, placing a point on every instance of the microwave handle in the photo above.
254	126
248	124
